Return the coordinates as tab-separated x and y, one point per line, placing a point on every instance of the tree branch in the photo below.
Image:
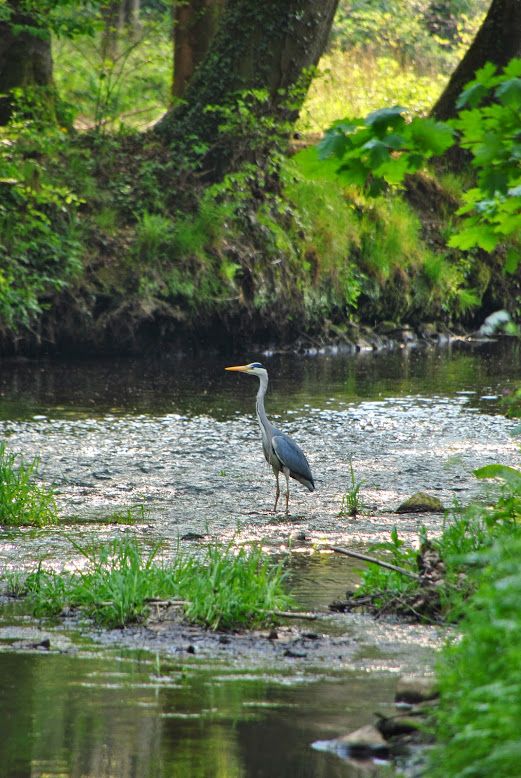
373	560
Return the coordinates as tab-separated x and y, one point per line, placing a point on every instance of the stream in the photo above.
179	437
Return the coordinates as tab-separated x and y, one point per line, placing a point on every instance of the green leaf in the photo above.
430	135
512	261
511	475
513	69
354	172
509	92
472	96
481	236
386	117
395	169
485	75
493	180
333	144
378	152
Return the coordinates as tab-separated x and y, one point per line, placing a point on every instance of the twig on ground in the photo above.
296	615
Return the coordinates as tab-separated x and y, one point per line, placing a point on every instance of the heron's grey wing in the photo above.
292	456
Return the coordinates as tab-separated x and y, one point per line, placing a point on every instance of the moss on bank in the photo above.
118	247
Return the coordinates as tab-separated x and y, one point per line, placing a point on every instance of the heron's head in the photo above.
254	368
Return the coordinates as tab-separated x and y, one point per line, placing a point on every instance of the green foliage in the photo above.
40	248
62	17
488	127
465	535
22	501
126	86
512	403
231	588
388	584
479	676
224	589
357	82
429	35
383	148
153	235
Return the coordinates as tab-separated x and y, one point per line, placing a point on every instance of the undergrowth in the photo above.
448	567
226	588
478	674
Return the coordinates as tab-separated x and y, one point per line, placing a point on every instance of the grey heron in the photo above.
280	451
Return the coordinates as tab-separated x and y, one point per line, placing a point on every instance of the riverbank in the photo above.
118	251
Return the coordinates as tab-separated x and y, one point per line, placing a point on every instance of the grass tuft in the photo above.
22	501
225	589
351	504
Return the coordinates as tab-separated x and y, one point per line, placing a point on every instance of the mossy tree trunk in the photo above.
269	45
195	25
497	41
25	62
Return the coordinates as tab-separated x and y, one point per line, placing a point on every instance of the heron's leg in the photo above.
277	491
286	473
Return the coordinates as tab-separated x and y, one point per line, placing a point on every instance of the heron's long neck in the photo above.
261	413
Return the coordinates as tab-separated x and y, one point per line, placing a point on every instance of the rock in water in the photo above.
364	743
414	689
421	503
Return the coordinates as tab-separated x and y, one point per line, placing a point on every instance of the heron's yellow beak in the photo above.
238	368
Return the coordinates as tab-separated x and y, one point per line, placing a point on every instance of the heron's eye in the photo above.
257	365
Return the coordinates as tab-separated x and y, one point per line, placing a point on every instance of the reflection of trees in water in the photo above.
101	718
189	386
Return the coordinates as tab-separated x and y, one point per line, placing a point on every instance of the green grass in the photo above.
22	500
354	83
226	588
351	503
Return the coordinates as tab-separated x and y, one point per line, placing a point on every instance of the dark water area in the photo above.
179	437
62	389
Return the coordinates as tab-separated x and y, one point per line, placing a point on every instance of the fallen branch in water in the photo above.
295	615
373	560
165	603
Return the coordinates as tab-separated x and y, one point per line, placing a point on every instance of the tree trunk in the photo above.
132	10
270	45
25	63
113	13
195	25
497	41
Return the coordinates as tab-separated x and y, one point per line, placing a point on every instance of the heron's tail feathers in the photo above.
307	482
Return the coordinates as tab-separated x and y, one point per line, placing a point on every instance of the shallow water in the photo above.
179	436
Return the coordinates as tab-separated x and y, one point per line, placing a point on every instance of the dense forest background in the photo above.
160	180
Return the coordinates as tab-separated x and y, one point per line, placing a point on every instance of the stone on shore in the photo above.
420	502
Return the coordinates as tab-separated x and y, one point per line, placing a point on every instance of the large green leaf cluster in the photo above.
489	126
382	149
